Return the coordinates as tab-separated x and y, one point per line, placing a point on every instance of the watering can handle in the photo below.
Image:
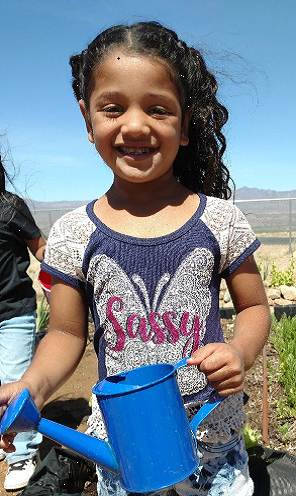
181	363
214	400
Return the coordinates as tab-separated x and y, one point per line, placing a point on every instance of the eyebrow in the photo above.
115	94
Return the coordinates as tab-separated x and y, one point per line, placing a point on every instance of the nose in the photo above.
135	123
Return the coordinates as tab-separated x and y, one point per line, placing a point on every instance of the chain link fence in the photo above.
273	220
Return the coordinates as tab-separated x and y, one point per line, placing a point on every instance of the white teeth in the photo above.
135	151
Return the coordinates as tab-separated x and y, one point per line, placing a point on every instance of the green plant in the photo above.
265	270
283	431
279	277
283	338
263	267
42	314
251	436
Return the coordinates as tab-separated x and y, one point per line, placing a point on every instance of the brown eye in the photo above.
112	110
159	111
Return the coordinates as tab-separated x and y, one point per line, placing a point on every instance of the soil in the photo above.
70	405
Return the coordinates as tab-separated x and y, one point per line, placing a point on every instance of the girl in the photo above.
18	234
148	256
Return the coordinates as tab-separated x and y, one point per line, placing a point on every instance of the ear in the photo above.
87	121
184	140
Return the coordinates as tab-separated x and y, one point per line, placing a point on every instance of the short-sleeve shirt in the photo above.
153	300
17	295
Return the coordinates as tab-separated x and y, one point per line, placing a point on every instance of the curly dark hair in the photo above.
199	165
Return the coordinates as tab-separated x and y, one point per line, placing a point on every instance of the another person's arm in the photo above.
37	247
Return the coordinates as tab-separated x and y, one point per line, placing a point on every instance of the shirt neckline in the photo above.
147	241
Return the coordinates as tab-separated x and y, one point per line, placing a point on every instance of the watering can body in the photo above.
151	444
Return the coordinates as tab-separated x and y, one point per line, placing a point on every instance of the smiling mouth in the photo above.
135	151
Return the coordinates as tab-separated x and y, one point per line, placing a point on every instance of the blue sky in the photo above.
249	43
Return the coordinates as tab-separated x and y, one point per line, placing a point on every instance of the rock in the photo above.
227	313
229	304
281	302
227	297
273	293
288	292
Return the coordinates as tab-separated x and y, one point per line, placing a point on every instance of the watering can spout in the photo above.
95	449
23	415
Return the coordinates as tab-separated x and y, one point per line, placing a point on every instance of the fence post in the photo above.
290	226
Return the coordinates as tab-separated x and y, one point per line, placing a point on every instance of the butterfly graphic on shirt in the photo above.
139	332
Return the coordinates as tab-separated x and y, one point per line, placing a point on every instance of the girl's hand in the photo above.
223	366
7	393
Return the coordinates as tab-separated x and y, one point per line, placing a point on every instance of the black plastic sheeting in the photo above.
273	472
63	472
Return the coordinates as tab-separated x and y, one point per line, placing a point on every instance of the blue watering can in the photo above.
151	444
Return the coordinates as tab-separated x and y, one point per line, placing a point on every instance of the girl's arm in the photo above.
36	247
61	350
58	353
225	364
253	320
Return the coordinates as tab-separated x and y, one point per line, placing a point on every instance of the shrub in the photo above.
283	338
279	277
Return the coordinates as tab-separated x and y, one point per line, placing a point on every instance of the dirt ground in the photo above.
70	405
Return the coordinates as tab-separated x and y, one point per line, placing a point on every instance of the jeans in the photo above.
223	471
17	342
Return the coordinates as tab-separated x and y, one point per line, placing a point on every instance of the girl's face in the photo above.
135	118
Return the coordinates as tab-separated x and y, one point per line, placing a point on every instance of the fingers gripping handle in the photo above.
214	400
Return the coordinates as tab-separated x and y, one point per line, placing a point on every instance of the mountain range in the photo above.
270	215
243	193
262	194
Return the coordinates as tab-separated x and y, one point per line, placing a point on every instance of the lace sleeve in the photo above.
225	421
235	237
66	245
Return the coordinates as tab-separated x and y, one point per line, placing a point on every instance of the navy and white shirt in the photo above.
153	300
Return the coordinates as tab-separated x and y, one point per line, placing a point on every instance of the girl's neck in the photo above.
146	210
145	199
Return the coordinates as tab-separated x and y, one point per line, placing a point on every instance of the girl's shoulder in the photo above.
213	202
71	233
221	213
75	223
232	231
68	240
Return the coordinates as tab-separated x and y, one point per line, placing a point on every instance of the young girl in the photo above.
18	235
148	256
